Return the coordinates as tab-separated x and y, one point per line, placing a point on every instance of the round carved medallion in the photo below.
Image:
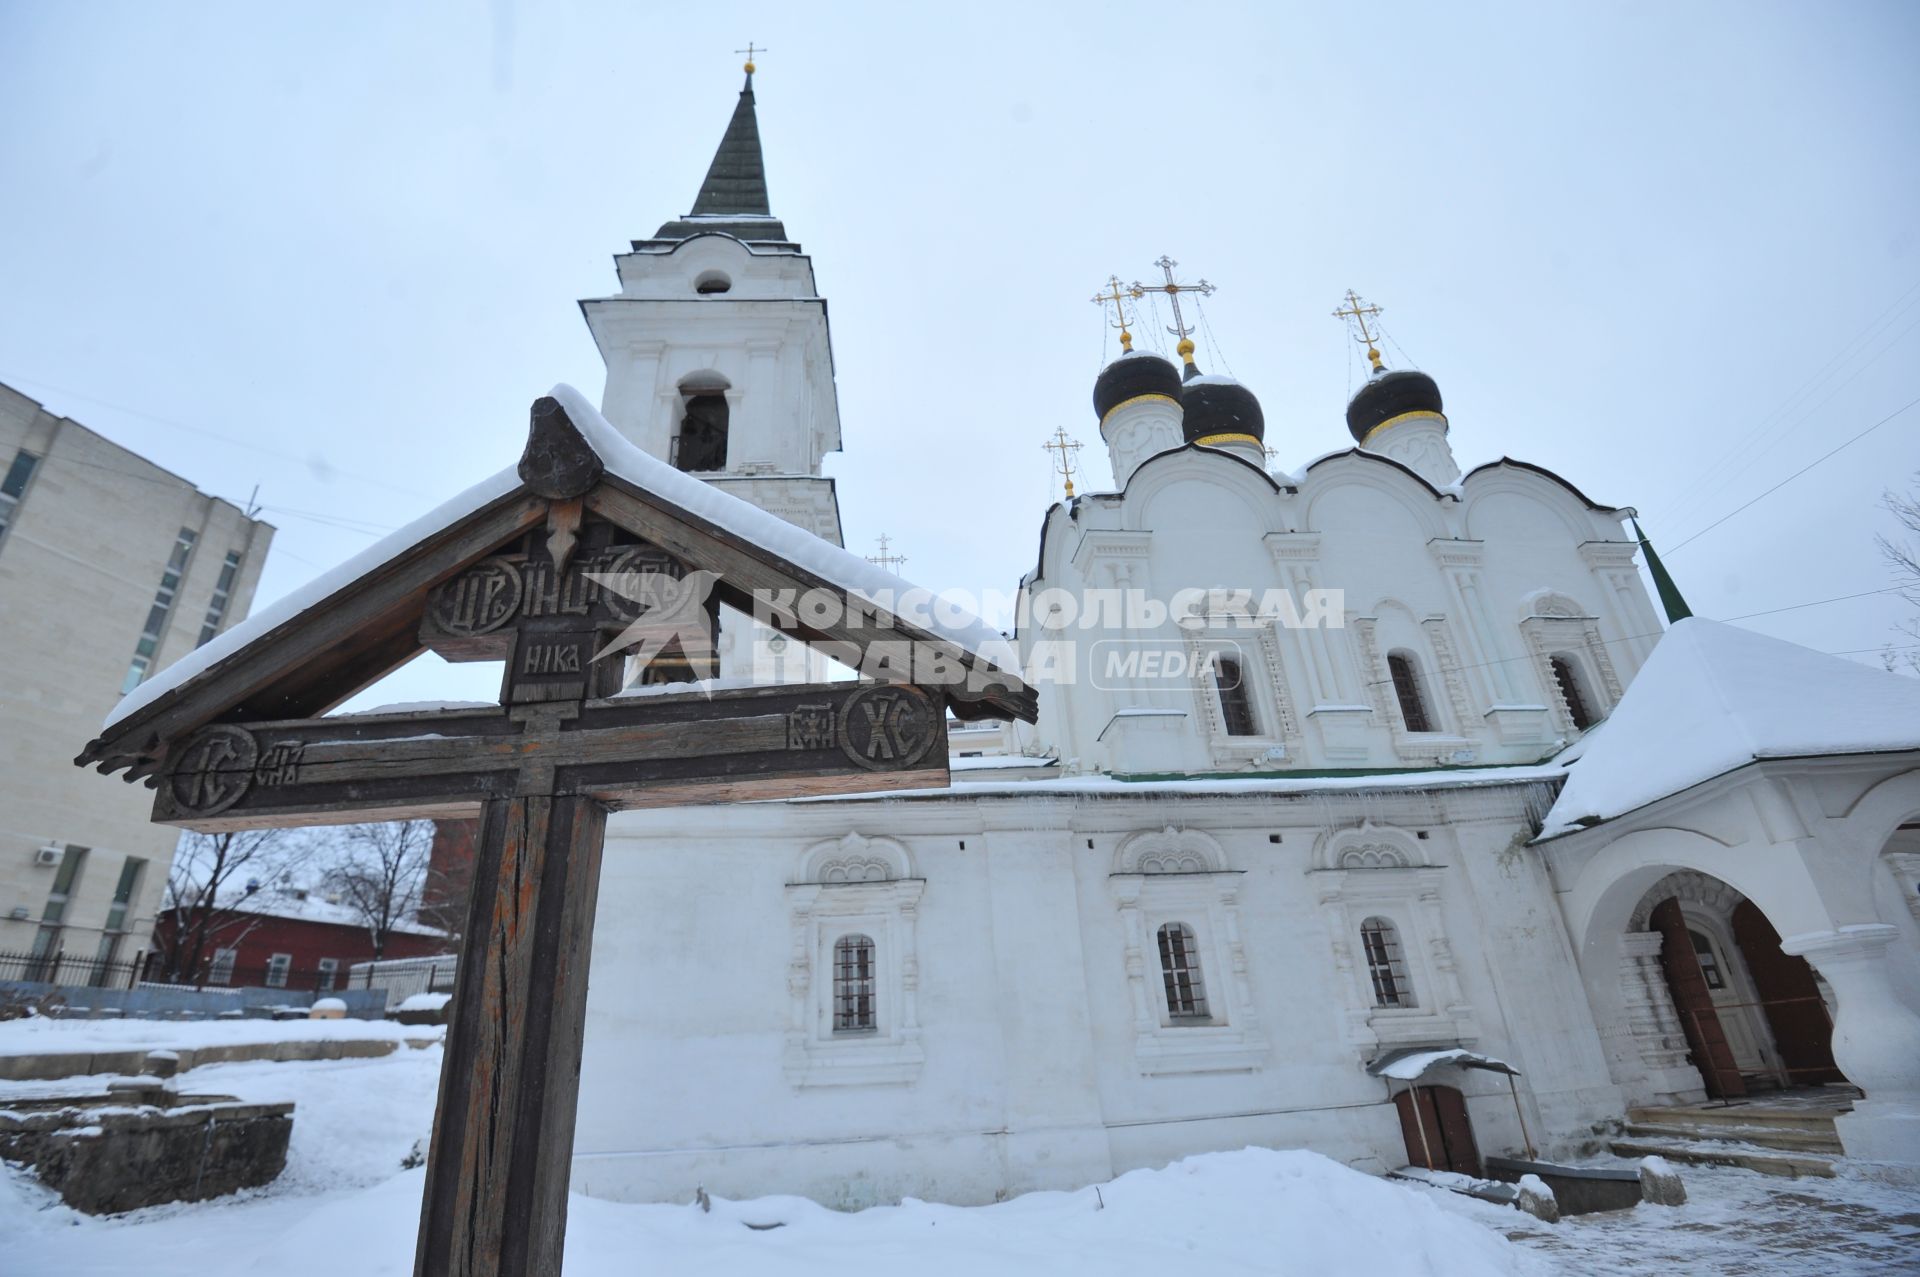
888	728
214	771
483	598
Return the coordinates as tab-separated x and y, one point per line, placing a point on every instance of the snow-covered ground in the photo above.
41	1035
344	1205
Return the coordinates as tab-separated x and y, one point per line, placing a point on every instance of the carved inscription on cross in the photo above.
570	740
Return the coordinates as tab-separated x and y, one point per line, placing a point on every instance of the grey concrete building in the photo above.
110	568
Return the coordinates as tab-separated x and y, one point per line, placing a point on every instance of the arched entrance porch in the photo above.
1753	1018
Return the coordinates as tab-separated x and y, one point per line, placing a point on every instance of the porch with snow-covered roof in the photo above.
1761	773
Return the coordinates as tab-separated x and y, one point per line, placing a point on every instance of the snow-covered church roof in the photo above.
1712	698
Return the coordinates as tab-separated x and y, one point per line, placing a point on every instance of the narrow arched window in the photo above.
853	1000
1570	693
1406	686
1386	964
701	442
1180	969
1236	703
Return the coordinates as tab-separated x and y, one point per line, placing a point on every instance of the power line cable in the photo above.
1796	474
1776	421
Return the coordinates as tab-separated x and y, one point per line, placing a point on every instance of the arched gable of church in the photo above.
1357	490
1507	502
1201	482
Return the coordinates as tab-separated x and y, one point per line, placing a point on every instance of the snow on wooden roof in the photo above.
404	562
1712	698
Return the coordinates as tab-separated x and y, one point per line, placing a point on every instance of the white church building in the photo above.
1493	809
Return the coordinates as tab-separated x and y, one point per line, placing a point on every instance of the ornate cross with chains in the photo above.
1360	312
1173	291
1117	297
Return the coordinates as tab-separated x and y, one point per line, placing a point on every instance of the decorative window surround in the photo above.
854	886
1436	746
1372	871
1180	875
1257	648
1554	624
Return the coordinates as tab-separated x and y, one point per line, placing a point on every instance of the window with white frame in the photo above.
329	972
1180	972
277	968
1380	898
1185	963
1572	695
1236	702
1386	964
853	973
221	972
1415	712
853	984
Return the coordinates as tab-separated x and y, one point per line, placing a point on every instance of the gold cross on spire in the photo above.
891	562
1117	296
1360	312
750	50
1063	448
1173	291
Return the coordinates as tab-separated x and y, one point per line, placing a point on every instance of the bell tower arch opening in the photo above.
700	440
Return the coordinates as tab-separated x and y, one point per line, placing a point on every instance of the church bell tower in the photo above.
717	350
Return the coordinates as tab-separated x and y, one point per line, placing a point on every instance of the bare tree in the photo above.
1902	553
210	873
380	871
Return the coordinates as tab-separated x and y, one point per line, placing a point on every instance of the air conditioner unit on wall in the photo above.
49	854
19	913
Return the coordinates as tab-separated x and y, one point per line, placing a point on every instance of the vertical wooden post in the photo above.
496	1194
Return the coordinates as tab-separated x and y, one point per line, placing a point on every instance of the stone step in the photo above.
1727	1153
1774	1117
1788	1139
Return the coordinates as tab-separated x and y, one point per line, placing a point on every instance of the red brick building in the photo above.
280	938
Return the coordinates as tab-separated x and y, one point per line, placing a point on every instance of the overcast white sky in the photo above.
1669	251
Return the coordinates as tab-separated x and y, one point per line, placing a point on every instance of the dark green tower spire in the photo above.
1676	607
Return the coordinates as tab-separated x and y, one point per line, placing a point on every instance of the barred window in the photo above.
853	985
1386	964
1569	684
1236	703
1406	686
1180	969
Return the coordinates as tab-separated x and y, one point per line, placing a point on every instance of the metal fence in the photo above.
62	968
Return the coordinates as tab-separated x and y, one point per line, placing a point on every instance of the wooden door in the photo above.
1706	1039
1789	998
1433	1121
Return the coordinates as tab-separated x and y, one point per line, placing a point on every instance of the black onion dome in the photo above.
1388	395
1220	406
1131	376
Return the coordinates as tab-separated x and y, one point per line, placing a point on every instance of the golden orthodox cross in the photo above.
749	51
1360	312
1173	291
1063	449
891	562
1116	296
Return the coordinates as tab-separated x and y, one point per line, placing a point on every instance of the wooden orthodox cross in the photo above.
557	578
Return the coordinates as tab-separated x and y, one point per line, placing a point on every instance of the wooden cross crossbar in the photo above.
622	751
